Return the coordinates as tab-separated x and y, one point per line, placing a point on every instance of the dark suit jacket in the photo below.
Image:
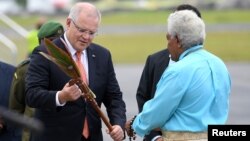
6	75
153	69
65	123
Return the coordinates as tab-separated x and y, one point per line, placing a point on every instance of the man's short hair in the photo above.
188	7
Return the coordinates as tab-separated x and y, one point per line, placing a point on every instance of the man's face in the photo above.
81	32
173	47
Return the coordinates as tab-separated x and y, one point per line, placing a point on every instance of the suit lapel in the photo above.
60	44
91	59
92	64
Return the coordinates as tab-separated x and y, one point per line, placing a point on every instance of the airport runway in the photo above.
129	75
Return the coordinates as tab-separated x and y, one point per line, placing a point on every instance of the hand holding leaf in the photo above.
66	63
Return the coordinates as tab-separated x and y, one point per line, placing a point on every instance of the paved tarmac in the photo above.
129	75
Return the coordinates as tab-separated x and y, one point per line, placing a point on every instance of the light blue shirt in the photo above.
191	94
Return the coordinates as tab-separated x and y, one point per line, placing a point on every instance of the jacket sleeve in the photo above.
114	102
38	82
17	91
145	86
144	91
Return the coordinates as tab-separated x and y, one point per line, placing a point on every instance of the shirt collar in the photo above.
70	48
192	49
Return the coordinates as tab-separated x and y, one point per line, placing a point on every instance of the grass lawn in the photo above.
160	17
134	48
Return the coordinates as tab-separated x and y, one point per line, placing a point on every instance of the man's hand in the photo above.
129	130
128	126
69	93
117	133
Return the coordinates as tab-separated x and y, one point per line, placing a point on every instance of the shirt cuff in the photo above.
155	138
57	100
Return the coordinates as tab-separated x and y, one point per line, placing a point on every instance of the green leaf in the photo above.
62	59
68	69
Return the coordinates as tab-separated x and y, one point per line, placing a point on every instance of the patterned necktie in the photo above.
85	131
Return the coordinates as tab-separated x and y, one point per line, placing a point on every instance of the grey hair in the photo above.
188	27
81	7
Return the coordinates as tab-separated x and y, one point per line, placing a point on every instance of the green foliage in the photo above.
61	59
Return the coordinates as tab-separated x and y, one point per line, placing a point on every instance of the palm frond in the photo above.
66	68
61	58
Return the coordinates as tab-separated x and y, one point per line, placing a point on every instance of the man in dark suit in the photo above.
49	30
7	133
60	106
154	67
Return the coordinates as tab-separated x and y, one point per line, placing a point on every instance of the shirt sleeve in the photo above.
158	110
57	100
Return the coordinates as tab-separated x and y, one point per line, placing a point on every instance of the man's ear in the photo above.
178	41
68	21
177	38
